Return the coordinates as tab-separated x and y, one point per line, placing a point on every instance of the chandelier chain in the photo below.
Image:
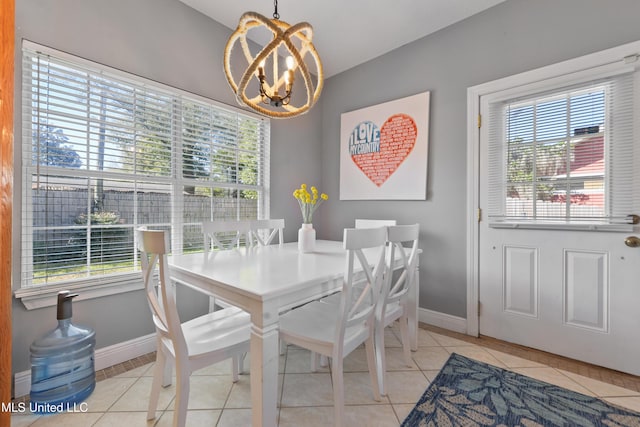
276	15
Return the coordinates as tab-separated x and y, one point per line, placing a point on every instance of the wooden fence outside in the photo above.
113	238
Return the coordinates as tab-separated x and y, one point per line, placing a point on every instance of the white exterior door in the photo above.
567	287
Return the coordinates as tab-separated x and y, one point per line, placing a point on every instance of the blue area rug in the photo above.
471	393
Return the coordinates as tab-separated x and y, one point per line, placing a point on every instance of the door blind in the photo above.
564	156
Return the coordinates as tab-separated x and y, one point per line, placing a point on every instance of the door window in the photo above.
563	156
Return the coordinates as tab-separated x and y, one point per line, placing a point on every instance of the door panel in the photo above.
586	285
520	280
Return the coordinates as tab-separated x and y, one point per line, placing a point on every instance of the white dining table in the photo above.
266	281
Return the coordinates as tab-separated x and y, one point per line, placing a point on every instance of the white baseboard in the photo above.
443	320
21	384
121	352
104	358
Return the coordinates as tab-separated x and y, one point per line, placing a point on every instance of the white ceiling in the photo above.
349	32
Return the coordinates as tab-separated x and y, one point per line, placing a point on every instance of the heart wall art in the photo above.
383	150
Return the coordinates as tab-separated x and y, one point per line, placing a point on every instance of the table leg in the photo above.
413	311
264	368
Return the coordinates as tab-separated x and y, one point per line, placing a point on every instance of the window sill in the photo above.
573	226
47	296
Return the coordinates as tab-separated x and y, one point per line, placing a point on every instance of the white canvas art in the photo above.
383	150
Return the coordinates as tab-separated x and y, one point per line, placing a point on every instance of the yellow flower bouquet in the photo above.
308	202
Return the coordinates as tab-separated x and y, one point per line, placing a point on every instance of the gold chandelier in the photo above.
290	46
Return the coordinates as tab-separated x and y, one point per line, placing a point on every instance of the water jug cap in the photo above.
64	304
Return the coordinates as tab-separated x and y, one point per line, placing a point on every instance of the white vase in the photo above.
306	238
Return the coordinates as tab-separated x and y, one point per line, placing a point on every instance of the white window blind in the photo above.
105	152
564	155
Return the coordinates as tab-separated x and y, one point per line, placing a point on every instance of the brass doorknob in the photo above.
632	241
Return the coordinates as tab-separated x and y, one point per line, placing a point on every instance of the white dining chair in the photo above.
359	223
374	223
394	297
224	235
262	232
335	330
188	346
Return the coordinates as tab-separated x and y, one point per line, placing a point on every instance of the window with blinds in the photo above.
105	152
565	155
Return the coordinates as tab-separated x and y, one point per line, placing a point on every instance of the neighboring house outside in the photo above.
587	169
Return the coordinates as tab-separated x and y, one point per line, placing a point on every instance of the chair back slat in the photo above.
262	232
153	245
225	235
398	236
358	302
157	311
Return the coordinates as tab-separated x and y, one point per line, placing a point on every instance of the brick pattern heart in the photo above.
397	138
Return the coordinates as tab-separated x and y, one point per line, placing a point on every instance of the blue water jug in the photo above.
62	363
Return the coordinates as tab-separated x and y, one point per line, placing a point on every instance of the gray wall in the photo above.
168	42
512	37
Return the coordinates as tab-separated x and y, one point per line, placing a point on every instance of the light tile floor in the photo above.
305	398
